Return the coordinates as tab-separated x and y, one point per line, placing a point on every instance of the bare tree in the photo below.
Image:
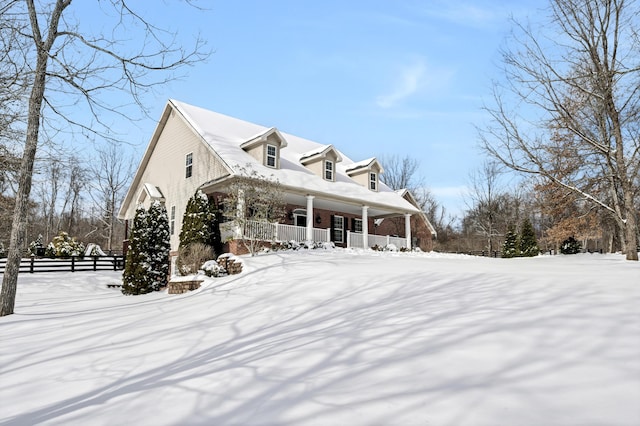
80	67
580	77
492	208
402	173
111	175
254	203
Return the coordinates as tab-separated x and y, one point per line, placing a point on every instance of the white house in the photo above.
328	195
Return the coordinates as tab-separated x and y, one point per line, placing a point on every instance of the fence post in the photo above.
95	263
31	264
73	263
328	234
348	239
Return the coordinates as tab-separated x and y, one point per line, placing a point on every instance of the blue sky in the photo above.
373	78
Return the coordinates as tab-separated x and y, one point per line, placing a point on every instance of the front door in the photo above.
300	220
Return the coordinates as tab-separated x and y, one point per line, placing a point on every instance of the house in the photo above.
328	196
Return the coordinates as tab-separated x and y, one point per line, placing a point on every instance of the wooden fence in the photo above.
73	264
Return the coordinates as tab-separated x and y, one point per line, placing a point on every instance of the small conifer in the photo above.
158	244
528	242
137	278
570	246
510	245
200	223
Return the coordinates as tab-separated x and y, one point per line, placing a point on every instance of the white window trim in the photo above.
188	172
274	156
331	170
172	222
335	217
356	221
373	181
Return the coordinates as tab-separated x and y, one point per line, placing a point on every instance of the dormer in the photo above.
366	173
265	147
322	161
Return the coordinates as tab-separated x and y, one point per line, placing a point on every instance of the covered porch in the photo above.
321	217
279	232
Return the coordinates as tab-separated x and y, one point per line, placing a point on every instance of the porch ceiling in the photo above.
340	206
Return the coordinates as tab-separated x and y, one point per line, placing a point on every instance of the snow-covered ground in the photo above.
333	338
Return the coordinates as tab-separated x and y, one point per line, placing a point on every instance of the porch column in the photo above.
407	229
365	227
309	218
240	217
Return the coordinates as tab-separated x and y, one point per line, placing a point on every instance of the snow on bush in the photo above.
211	268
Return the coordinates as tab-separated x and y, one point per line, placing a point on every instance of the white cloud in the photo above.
410	80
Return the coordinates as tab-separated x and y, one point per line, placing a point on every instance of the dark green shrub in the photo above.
570	246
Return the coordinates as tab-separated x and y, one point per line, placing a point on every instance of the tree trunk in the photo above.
16	241
630	230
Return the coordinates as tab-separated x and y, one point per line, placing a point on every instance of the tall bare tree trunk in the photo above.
16	241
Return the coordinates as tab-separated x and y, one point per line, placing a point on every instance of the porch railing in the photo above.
279	232
356	240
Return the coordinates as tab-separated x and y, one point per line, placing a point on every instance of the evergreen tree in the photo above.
158	244
137	278
510	245
200	223
570	246
528	241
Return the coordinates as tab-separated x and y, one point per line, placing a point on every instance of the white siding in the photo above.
166	168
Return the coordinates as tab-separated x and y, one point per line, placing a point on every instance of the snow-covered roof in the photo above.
364	164
227	135
153	191
262	136
321	151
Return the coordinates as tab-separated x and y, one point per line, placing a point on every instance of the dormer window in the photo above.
373	181
328	170
322	161
272	156
366	173
265	147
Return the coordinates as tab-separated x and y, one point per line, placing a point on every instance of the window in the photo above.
272	156
300	217
328	170
373	181
357	226
189	165
172	222
338	229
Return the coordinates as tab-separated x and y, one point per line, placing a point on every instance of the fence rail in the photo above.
73	264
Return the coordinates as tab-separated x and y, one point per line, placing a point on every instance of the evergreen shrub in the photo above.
570	246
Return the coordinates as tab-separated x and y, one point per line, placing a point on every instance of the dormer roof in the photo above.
262	137
319	153
367	164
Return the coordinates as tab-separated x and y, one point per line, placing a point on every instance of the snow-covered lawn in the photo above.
333	338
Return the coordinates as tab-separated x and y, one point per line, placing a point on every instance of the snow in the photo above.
226	135
317	337
153	191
